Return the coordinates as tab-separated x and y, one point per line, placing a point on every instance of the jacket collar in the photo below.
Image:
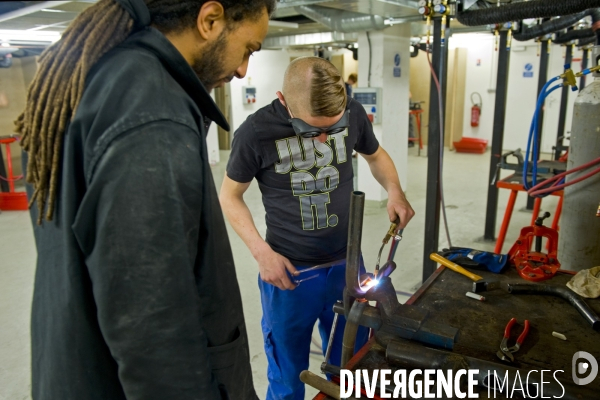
152	40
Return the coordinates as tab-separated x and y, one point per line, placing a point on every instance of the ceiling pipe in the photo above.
342	21
524	10
30	10
308	39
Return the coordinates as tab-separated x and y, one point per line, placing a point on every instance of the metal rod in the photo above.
323	385
497	136
562	114
584	63
331	336
355	223
3	183
432	206
350	331
573	298
542	79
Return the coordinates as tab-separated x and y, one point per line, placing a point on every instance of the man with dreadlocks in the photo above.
136	295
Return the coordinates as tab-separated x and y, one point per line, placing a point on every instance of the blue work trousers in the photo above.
287	324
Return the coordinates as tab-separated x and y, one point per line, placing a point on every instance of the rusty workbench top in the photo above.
481	324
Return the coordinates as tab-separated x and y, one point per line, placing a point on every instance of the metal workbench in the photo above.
481	326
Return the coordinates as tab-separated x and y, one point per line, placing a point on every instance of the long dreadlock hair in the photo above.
58	86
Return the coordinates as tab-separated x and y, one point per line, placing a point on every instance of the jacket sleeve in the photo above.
138	227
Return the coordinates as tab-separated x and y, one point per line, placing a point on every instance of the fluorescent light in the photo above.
52	10
283	24
41	37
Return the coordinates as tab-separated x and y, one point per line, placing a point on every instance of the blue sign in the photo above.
397	72
528	73
397	60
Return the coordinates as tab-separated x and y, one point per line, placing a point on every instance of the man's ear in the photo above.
281	98
211	20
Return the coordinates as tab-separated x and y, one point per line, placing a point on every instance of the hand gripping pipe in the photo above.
524	10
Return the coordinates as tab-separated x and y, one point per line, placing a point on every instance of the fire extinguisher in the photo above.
475	110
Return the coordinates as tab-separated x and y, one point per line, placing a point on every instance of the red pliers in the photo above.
506	353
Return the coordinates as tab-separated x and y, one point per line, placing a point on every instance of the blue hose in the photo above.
534	131
536	150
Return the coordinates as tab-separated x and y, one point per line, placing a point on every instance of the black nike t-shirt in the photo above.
305	184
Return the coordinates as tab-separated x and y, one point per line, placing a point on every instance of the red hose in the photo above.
13	179
537	191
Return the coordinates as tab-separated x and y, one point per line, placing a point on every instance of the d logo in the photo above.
582	367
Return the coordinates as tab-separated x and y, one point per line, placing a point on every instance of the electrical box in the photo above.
248	94
370	98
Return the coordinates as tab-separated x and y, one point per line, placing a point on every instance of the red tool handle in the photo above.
509	327
524	334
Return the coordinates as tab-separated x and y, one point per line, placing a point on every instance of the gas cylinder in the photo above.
579	235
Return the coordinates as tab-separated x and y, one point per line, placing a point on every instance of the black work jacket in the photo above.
136	295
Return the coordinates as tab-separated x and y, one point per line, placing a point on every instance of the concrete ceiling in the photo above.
287	22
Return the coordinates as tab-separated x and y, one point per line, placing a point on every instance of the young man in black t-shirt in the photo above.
299	149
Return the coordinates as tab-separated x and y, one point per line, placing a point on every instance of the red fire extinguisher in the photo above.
475	110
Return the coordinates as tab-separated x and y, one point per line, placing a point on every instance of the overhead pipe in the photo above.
415	52
554	25
39	6
342	21
585	42
524	10
574	35
585	36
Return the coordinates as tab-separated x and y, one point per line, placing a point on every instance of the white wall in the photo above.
212	144
482	63
522	95
350	64
392	133
265	72
522	91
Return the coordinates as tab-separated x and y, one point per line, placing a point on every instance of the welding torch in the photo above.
392	232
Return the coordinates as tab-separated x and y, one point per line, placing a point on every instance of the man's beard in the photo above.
209	65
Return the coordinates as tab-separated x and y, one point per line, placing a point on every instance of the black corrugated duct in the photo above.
525	10
547	27
586	41
574	35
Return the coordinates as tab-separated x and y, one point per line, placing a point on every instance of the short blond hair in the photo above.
326	96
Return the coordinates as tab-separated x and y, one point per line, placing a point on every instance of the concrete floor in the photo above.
466	193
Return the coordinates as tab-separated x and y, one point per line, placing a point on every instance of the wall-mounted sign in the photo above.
528	71
397	71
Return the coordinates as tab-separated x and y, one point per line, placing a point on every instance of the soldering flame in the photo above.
368	284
